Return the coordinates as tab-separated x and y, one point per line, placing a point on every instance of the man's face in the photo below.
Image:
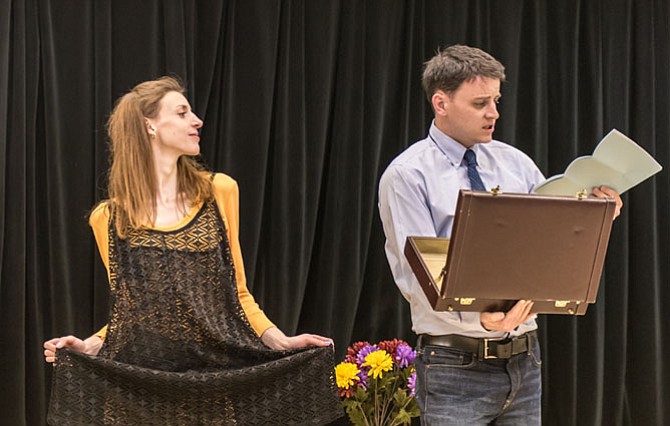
470	113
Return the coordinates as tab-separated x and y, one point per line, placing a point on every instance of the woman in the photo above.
186	343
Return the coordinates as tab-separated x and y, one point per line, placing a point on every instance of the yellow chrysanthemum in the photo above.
378	361
346	374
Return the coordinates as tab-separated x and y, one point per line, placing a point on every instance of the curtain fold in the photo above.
305	103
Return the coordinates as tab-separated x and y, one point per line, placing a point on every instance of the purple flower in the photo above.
404	355
411	383
365	350
363	376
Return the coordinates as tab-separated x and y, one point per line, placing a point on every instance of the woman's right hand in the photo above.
89	346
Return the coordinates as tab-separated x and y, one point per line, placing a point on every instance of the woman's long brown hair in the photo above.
132	180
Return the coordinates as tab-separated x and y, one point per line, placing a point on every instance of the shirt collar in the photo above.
448	145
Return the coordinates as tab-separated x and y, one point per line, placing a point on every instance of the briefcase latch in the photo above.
564	304
582	194
496	190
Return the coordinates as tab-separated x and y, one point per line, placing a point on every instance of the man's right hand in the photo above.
89	346
501	321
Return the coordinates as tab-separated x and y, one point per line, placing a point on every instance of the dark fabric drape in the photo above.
304	104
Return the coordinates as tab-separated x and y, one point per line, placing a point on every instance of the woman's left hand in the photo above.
274	338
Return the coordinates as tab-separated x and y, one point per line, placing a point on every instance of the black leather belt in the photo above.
483	348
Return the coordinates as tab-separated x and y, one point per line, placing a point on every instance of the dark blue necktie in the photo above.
475	180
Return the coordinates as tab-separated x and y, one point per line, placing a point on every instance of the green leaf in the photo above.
413	408
361	395
356	417
403	418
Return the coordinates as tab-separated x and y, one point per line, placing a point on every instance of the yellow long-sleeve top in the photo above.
226	194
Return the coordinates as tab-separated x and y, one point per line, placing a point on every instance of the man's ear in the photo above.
440	101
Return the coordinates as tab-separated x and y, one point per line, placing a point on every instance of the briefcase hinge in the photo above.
582	194
443	273
465	300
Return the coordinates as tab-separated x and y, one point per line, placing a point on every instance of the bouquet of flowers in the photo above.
376	383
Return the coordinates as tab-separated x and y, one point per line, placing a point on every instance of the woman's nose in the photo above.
197	122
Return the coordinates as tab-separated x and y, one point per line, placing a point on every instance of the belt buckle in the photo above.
486	350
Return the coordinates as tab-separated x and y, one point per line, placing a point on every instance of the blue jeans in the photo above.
456	388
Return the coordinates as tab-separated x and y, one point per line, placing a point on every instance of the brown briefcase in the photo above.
510	247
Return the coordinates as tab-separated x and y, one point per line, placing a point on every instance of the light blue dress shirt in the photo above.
417	197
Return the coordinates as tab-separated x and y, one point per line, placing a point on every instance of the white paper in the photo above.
617	162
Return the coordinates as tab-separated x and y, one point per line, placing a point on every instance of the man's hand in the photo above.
89	346
275	339
500	321
607	192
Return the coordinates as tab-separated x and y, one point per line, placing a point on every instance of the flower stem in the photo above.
377	419
389	401
367	423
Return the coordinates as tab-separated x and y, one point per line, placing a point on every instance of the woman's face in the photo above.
175	127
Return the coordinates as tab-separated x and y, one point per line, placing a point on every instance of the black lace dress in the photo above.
179	349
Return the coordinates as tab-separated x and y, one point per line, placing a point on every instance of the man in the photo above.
417	196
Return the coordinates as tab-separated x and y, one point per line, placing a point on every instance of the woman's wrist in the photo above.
92	345
274	338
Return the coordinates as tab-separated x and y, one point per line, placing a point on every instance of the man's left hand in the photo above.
607	192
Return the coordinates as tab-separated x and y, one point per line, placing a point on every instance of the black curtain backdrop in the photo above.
305	103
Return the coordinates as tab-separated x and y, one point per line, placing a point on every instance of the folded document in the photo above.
617	162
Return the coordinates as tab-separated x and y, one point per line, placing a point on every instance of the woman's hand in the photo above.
89	346
275	339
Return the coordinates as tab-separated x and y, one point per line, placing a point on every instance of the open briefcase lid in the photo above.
509	247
